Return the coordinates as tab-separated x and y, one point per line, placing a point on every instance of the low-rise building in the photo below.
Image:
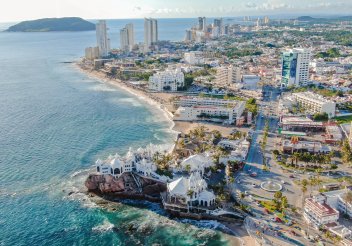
239	150
139	161
189	194
323	211
315	103
337	199
194	57
304	146
318	213
294	123
169	80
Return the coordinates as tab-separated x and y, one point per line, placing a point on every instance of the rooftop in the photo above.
322	209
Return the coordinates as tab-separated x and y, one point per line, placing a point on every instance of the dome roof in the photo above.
116	163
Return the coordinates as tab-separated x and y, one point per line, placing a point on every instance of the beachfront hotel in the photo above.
103	40
150	33
127	38
212	109
168	80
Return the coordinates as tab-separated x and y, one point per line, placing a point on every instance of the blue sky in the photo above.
15	10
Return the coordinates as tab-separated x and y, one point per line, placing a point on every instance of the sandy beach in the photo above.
160	100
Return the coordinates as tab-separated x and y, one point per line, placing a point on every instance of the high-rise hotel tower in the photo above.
295	67
127	37
103	41
150	32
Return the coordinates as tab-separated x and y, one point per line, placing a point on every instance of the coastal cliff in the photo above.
128	185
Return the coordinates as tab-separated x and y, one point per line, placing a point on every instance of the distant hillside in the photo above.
326	19
73	24
305	18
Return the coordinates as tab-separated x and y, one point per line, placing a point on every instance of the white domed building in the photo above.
185	194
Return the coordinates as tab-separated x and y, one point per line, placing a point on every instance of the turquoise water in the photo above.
54	123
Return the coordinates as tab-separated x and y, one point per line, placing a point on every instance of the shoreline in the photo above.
238	237
157	100
140	94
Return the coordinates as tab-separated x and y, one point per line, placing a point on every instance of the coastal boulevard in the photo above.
250	185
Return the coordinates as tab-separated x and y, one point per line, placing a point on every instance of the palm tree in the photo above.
284	204
296	157
304	190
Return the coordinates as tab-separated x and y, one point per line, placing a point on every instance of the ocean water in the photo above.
54	123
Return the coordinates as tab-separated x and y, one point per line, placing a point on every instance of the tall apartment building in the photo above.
202	23
315	103
266	20
150	33
103	41
127	37
219	24
226	75
295	67
92	53
189	36
168	80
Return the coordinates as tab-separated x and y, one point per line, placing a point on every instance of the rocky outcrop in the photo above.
126	186
104	184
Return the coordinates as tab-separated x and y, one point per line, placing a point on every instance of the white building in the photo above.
194	57
92	53
189	192
336	199
103	41
127	37
227	75
150	33
139	161
323	210
217	110
168	80
318	213
295	67
315	103
239	150
189	101
197	163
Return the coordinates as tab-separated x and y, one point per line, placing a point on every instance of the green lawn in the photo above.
343	120
269	205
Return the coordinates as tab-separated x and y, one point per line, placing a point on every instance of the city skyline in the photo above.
109	9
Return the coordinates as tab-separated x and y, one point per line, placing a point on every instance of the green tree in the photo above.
346	152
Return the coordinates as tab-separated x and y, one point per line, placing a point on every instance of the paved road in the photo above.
255	156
